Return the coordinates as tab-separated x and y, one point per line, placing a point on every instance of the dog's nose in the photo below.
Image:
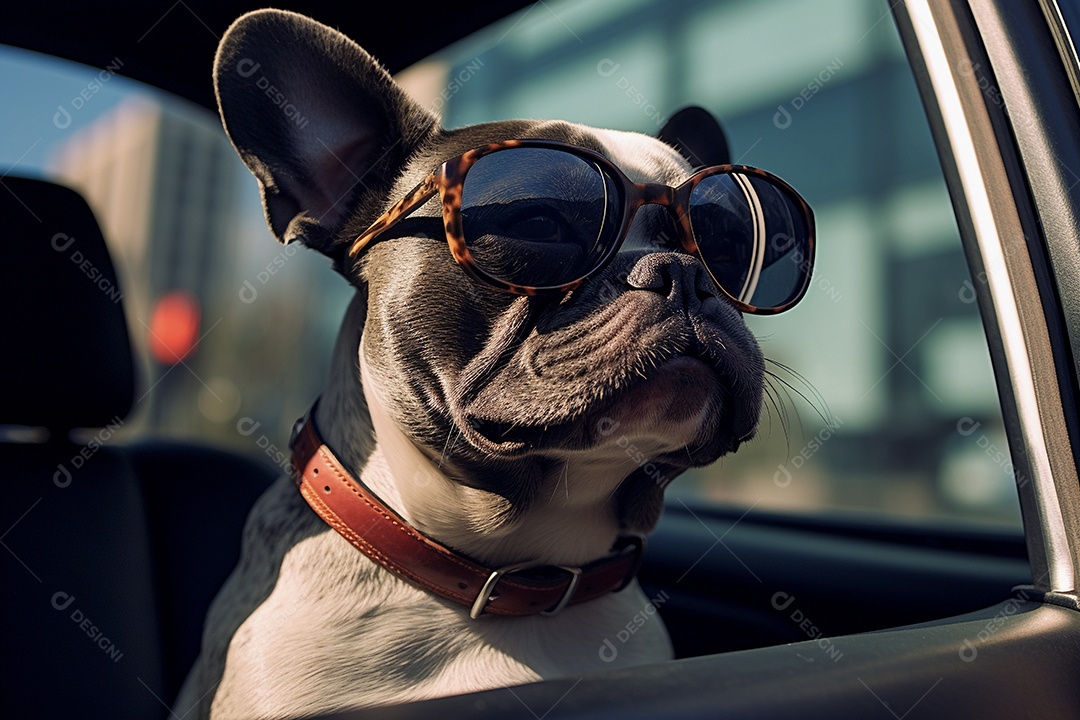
672	274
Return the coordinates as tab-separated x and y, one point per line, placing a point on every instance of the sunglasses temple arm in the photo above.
417	197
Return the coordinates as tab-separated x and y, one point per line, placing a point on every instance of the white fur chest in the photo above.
313	646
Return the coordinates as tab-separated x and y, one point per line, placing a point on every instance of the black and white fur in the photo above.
496	424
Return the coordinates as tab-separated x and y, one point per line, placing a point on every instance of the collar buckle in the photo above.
487	592
575	576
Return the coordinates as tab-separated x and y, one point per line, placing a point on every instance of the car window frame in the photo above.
972	63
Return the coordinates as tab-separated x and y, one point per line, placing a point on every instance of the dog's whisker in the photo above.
773	404
814	399
562	479
615	490
775	384
554	489
777	409
450	442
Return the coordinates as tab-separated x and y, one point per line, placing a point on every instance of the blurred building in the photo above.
161	175
181	214
162	184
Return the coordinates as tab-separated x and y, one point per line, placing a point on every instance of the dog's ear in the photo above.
695	133
316	119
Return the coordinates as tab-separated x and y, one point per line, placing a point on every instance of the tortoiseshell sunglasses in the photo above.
539	216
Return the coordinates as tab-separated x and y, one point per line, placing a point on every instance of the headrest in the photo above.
65	355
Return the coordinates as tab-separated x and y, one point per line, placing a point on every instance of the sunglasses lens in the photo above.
538	217
754	236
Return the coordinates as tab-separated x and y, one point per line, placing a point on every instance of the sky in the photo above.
46	100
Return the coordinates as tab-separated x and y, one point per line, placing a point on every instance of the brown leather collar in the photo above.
377	531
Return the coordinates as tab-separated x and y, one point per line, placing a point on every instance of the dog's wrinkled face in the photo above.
647	357
644	370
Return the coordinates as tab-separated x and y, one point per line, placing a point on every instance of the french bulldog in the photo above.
507	429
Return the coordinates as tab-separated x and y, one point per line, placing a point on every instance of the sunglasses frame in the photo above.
448	180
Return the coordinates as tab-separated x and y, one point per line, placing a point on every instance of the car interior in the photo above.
142	585
117	538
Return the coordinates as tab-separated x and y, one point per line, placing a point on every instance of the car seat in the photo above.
111	551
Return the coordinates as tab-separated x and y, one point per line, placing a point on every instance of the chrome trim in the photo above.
1066	46
575	577
942	76
484	596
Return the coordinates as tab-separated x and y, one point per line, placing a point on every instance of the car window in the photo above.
881	394
232	331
